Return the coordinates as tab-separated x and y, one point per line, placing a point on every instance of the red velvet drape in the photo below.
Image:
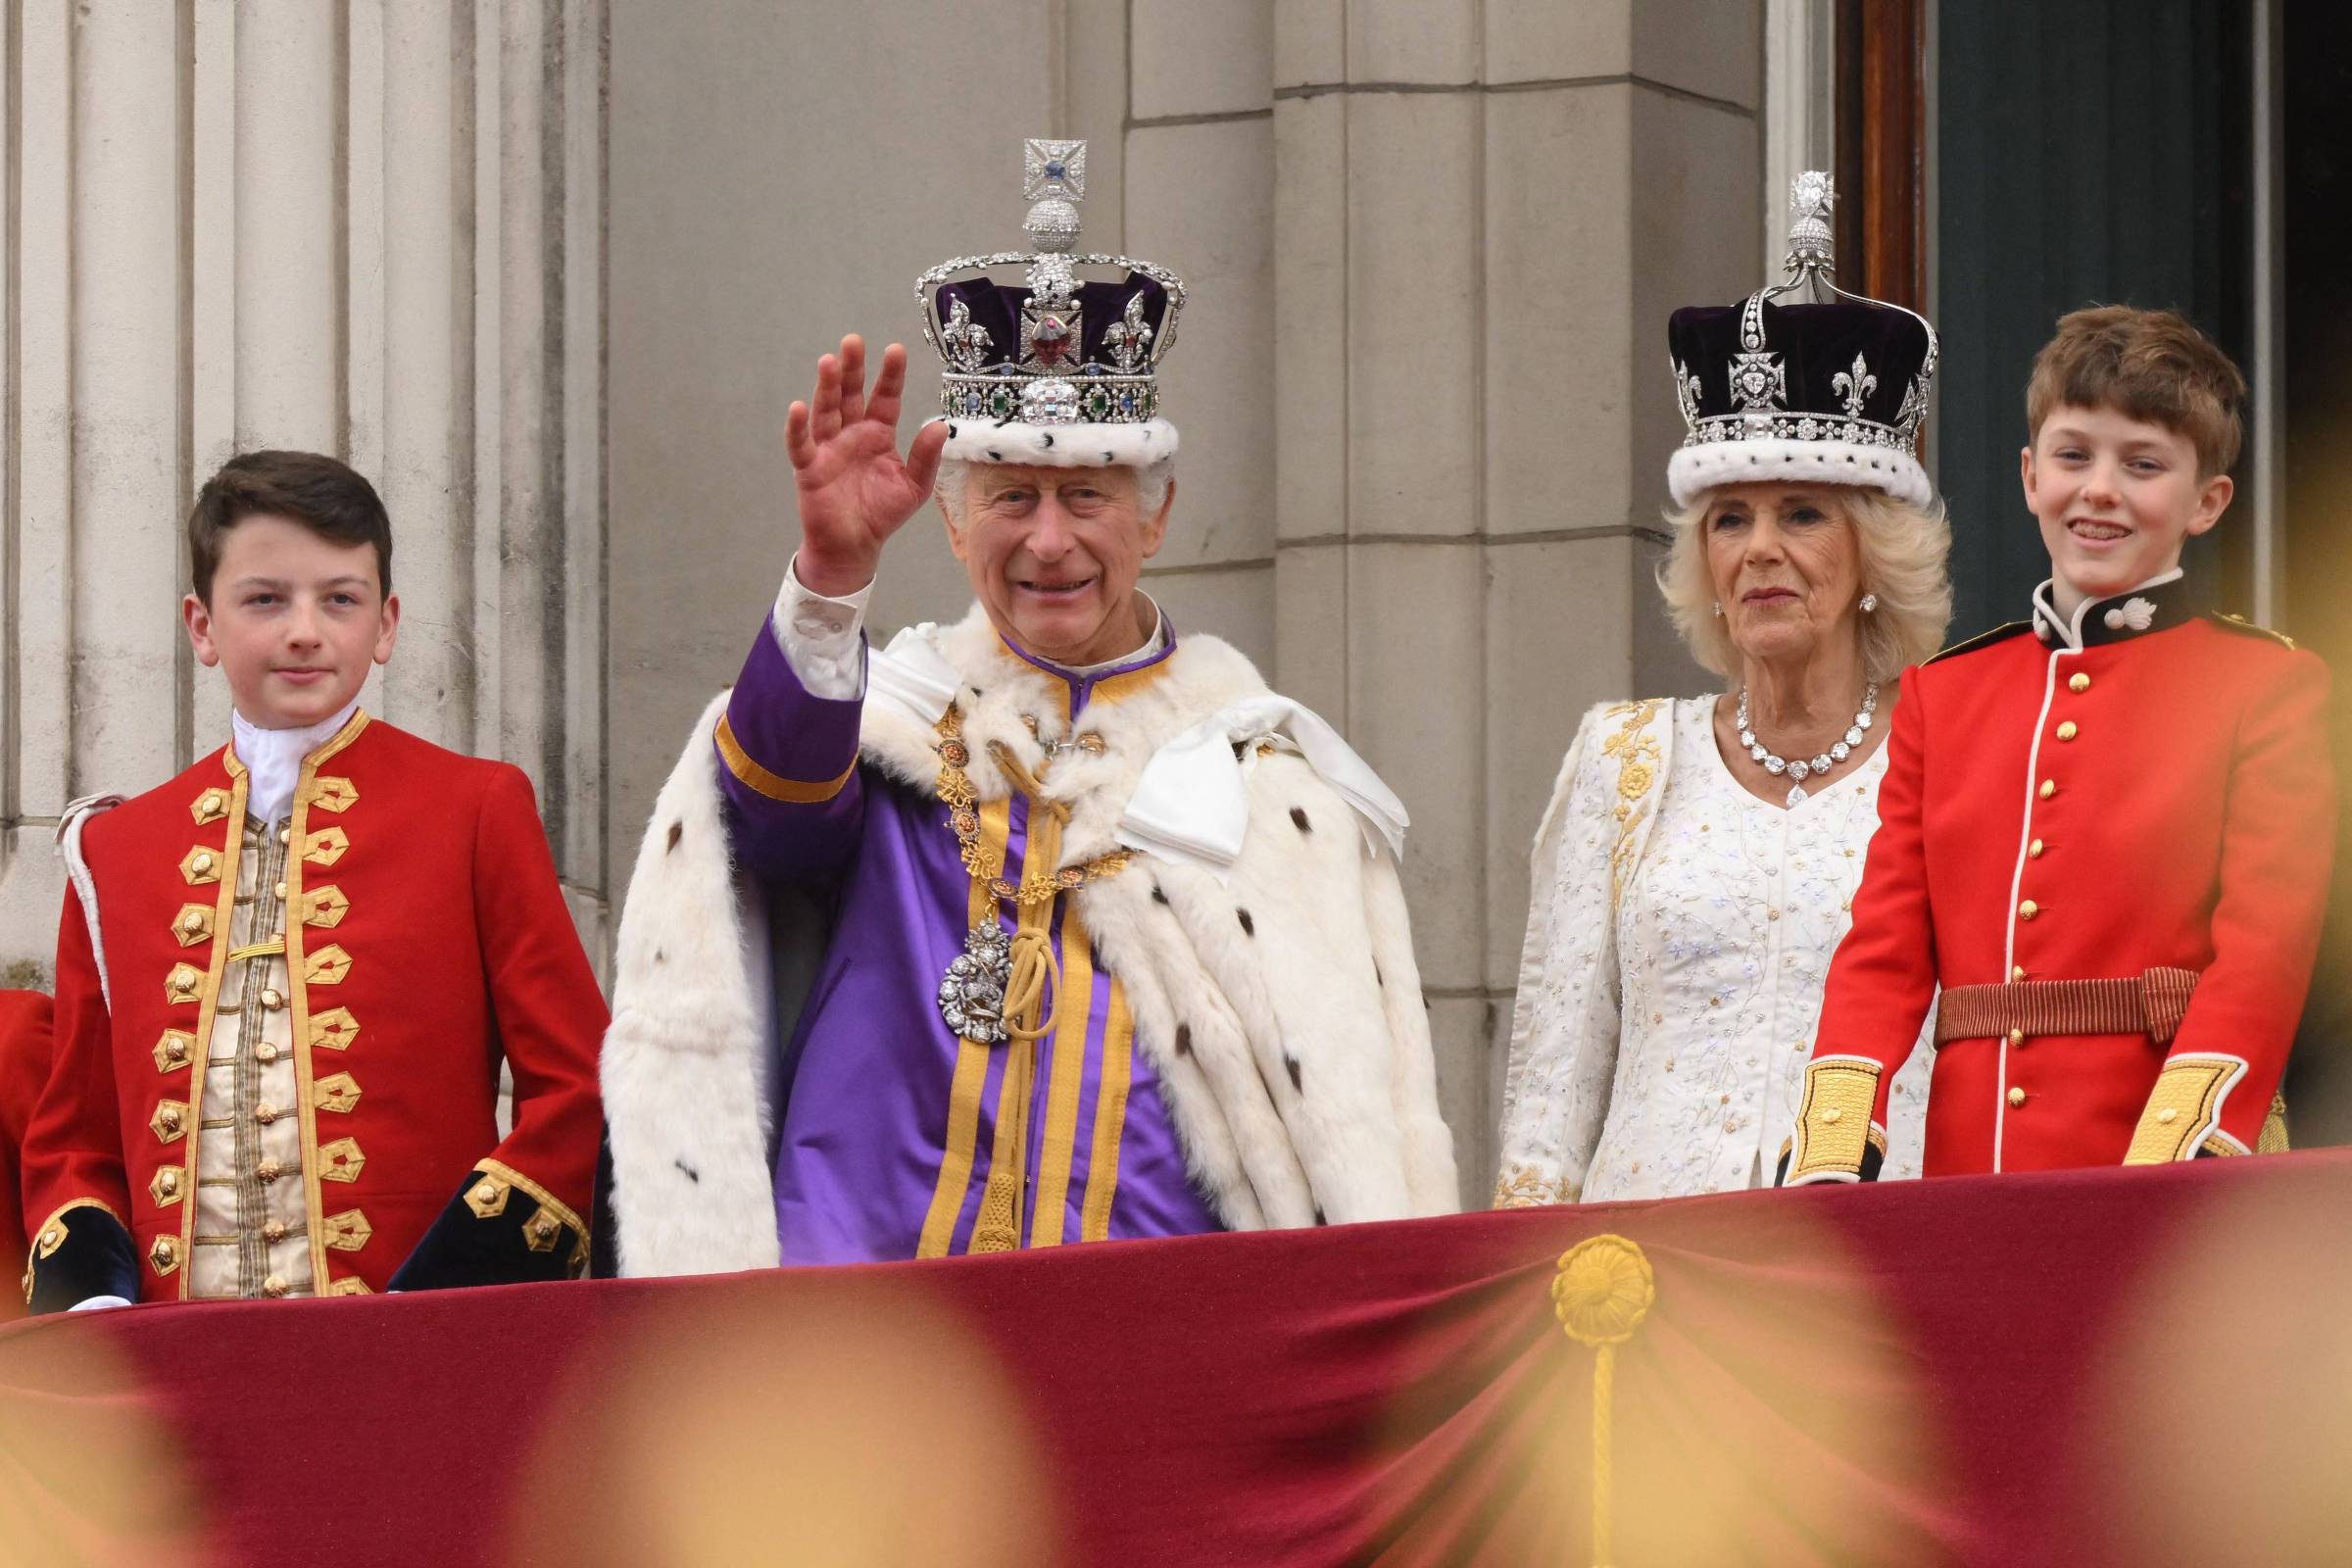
2093	1367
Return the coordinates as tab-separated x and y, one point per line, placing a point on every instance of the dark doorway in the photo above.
2087	152
2315	186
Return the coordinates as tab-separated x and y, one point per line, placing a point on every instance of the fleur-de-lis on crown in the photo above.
1126	339
965	341
1853	386
1686	393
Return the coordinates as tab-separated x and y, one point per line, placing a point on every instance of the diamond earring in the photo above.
1870	601
1719	606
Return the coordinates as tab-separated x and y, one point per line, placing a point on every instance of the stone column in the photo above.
1485	211
371	228
1200	198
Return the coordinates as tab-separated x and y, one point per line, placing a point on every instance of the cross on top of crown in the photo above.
1053	168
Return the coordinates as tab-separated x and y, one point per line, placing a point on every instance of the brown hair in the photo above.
2152	366
305	487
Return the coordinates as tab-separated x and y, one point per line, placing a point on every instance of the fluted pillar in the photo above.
371	228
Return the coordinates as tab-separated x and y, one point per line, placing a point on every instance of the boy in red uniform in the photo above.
286	978
2105	832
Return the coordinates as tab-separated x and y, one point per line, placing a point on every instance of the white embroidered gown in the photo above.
1659	1049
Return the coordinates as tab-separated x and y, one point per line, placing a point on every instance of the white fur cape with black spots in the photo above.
1307	1090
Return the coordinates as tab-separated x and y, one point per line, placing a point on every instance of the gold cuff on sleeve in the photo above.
549	1202
777	787
1833	1121
2185	1108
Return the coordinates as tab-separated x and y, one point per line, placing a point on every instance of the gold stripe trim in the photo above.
971	1068
549	1202
775	786
258	950
1110	1117
1118	688
297	841
1073	1007
208	1000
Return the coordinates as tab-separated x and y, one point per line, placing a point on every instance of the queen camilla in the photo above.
1697	863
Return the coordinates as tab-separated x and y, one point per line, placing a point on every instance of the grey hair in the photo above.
954	487
1907	558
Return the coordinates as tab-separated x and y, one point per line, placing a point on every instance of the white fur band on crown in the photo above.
1060	446
1693	471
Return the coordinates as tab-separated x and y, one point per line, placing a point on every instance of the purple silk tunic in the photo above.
864	1148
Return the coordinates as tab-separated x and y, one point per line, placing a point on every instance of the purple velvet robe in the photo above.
863	1153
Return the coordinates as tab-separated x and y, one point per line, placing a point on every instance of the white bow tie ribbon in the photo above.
912	673
1191	803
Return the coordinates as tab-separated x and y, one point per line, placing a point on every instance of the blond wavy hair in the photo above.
1906	552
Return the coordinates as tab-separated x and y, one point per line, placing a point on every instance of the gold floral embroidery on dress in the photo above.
1524	1187
1637	751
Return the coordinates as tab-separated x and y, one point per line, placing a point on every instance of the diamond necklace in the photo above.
1807	767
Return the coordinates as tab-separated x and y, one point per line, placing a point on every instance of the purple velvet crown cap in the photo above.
996	309
1817	347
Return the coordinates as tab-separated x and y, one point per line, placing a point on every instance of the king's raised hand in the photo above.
855	488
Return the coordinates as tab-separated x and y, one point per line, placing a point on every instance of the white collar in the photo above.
2068	629
272	759
1151	644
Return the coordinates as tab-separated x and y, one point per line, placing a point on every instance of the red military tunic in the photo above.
24	1037
399	932
2139	789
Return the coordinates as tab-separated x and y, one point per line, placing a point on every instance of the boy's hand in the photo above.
856	491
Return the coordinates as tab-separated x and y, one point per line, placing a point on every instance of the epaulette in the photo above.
2228	621
1983	639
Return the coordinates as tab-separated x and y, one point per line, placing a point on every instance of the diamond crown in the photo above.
1034	364
1758	388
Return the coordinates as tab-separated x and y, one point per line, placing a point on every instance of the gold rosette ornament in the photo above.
1602	1293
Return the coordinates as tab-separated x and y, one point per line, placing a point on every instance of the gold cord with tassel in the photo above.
1602	1293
